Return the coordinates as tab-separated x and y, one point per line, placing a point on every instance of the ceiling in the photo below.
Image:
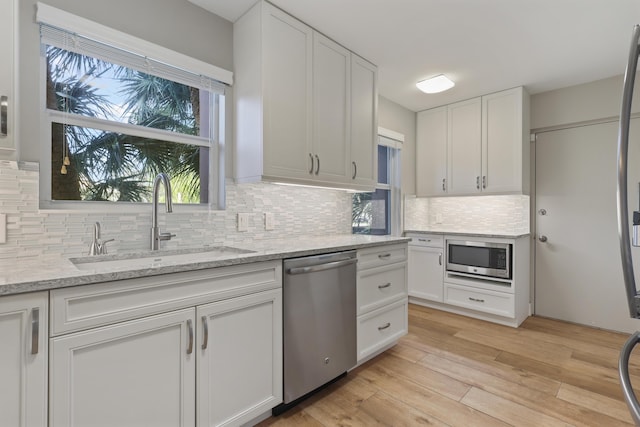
483	45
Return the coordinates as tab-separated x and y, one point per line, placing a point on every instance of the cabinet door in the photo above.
239	358
135	373
7	82
464	147
331	109
502	141
431	153
287	61
426	273
23	360
364	124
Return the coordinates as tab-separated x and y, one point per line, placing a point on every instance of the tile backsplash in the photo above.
52	234
507	214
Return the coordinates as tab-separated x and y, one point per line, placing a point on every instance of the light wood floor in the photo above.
455	371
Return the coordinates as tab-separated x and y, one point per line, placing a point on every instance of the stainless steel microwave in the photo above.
479	258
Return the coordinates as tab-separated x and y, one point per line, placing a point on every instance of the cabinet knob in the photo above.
477	182
444	188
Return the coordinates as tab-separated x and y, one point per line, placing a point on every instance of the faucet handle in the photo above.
165	236
103	246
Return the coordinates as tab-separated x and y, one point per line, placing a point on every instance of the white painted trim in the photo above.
64	20
391	134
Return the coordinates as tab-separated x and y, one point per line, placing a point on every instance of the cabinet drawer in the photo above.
430	240
499	303
381	255
78	308
381	327
380	286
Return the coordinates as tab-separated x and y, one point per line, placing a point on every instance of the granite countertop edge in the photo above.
38	276
514	235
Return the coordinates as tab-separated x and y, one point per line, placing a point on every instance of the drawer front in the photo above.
381	328
430	240
79	308
381	255
380	286
499	303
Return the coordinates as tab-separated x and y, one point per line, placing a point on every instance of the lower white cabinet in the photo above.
381	298
210	354
426	267
23	360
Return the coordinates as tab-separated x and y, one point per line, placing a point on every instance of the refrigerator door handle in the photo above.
621	194
625	380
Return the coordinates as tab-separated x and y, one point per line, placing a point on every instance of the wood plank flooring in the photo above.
451	370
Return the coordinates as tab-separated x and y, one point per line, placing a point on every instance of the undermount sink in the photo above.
151	259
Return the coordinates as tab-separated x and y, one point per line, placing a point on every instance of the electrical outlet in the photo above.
3	228
243	221
269	221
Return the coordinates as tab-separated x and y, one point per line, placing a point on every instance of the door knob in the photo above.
542	238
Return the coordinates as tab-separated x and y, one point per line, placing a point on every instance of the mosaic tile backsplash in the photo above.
49	235
507	214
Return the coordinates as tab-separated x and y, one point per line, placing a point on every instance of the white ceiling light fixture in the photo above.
436	84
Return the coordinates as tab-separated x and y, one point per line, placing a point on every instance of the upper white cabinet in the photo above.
305	107
8	31
23	360
487	148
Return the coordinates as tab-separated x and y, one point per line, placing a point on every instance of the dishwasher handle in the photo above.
321	267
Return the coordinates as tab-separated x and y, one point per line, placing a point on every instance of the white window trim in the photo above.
393	139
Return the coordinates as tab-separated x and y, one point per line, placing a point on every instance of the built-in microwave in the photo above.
479	258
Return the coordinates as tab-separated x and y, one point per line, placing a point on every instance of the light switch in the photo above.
243	221
269	221
3	228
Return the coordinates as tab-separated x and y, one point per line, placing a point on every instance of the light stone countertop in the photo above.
37	276
497	234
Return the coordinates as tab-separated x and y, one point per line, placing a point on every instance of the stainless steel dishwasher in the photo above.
319	305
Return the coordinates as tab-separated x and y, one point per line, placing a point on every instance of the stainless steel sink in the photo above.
150	259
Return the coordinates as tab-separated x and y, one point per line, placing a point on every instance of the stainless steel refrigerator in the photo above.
628	233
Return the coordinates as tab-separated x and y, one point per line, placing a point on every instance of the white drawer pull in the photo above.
385	326
476	299
386	285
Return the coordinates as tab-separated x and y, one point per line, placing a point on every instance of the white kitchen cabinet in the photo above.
464	120
203	347
140	372
296	92
364	119
426	267
431	153
23	360
486	142
239	358
381	298
8	75
331	104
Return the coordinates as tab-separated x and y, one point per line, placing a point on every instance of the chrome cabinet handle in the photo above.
355	170
312	163
385	326
205	332
317	164
35	330
385	286
4	105
443	186
542	238
476	299
477	182
190	329
384	256
484	181
440	259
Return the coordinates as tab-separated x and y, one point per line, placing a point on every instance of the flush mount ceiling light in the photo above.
436	84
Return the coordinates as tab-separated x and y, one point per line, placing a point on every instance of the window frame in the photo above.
119	41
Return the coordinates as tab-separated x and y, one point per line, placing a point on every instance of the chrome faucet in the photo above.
98	247
156	236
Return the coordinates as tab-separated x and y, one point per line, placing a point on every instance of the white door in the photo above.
239	358
431	152
7	55
364	126
23	360
464	145
426	273
135	373
578	274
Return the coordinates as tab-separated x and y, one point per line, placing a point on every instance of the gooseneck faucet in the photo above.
156	236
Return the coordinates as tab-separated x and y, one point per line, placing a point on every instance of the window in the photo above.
378	212
117	118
